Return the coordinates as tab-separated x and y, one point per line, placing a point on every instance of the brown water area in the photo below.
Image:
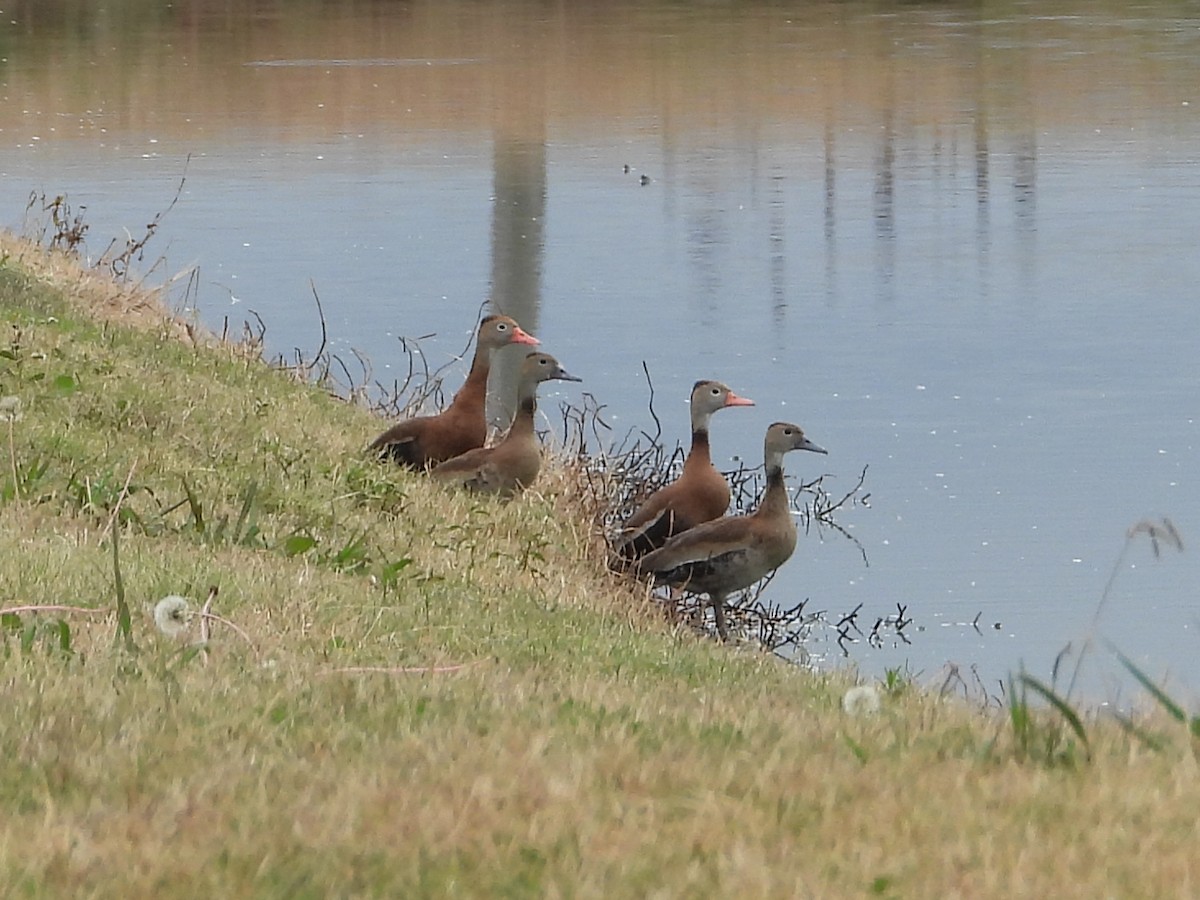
193	69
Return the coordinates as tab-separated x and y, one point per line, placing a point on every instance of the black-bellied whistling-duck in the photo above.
700	494
428	440
731	553
513	464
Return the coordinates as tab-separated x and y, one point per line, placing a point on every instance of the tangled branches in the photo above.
616	477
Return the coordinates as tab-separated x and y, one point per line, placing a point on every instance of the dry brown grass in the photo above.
94	291
541	733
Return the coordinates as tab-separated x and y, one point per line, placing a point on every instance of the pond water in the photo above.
958	243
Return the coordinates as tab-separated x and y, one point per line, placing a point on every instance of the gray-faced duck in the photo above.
733	552
513	464
699	495
428	440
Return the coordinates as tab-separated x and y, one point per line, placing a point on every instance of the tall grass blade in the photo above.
28	633
1176	711
856	748
1064	708
1018	715
63	630
1151	740
247	505
194	505
124	619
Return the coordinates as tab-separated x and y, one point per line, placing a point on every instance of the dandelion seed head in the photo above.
10	408
863	700
171	615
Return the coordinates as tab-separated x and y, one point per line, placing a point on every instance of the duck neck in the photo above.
774	503
700	420
522	424
473	393
701	452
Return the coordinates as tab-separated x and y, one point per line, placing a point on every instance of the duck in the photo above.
728	554
699	495
424	441
513	464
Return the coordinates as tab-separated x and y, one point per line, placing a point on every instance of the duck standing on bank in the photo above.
700	494
731	553
428	440
513	464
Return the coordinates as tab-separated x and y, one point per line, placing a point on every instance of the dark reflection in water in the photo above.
885	203
518	217
956	242
777	249
830	209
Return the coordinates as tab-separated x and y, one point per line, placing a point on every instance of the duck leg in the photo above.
718	605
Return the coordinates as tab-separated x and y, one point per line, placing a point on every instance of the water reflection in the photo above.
518	217
830	159
956	242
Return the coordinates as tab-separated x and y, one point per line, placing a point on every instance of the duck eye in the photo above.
500	326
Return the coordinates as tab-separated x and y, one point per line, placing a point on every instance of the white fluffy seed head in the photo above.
172	615
10	408
863	700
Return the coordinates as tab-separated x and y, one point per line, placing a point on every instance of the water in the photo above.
956	244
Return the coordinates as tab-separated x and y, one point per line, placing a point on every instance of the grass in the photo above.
437	695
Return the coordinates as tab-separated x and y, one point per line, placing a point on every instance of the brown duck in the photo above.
428	440
513	464
700	494
731	553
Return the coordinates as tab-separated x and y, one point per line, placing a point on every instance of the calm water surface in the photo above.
957	244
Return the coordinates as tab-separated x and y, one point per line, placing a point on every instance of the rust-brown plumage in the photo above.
699	495
514	463
731	553
428	440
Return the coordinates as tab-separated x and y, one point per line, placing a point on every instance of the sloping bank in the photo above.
536	731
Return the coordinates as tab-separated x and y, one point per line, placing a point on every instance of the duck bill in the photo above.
563	375
734	400
521	336
806	444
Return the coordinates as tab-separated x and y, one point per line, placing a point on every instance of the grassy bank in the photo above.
537	731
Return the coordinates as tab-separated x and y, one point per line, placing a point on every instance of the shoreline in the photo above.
420	693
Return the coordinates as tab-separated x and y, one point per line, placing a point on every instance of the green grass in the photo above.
532	730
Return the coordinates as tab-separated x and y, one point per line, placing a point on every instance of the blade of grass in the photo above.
247	505
1151	740
1064	708
1018	713
1175	710
194	505
124	619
